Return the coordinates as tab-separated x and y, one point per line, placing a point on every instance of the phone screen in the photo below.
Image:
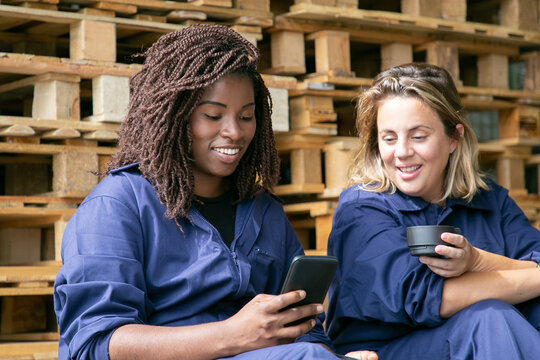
313	274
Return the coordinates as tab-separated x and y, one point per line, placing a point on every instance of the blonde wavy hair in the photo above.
434	86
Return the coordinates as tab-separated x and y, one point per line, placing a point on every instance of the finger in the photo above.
294	331
450	252
454	239
434	261
284	300
363	355
300	312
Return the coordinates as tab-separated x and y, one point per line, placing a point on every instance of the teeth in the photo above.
227	151
409	168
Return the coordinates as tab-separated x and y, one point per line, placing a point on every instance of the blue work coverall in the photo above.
384	299
124	262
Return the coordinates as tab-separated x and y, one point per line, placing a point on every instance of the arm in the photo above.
256	325
511	286
480	275
484	275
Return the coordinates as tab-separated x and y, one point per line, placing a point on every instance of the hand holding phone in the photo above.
313	274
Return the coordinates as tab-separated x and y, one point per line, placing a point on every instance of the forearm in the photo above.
511	286
487	261
205	341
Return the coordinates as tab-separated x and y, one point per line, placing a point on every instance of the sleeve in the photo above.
522	240
100	286
377	280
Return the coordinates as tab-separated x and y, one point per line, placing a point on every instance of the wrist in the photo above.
476	260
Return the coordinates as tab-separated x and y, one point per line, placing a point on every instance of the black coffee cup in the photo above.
423	239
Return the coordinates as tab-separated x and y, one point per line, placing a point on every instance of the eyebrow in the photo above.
209	102
408	130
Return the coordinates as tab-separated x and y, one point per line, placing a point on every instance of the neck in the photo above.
211	188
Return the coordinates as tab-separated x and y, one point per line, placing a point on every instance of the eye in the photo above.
246	118
389	139
212	117
419	136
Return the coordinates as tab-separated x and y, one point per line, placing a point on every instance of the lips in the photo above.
409	169
226	151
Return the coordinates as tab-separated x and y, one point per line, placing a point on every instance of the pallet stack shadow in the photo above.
335	47
64	87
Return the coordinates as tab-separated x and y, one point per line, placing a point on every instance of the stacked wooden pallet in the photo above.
335	48
64	87
60	61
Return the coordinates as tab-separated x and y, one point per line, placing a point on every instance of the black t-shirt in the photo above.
220	212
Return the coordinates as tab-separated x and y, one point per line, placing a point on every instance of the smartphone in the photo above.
310	273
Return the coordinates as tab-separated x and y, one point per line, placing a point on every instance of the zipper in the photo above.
222	243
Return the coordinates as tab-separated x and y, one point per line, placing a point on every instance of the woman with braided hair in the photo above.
179	251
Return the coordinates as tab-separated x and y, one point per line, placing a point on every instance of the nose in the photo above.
403	149
230	128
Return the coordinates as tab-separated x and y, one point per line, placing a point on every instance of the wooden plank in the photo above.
51	149
323	226
55	124
332	52
22	201
295	189
92	40
287	52
421	7
17	130
315	252
289	141
338	158
35	65
306	166
13	274
21	291
29	349
521	14
313	208
444	54
220	3
117	8
423	25
395	54
31	81
164	6
37	336
73	173
493	71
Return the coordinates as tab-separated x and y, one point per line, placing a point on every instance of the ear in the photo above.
461	131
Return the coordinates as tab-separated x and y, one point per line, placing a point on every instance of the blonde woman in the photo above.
417	165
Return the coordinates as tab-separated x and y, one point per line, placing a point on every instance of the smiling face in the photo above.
413	146
222	127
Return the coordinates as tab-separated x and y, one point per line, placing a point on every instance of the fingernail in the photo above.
313	322
302	293
320	308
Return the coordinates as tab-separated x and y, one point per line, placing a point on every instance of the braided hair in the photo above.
178	67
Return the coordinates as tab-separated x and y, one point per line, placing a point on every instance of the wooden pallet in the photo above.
96	36
311	217
338	33
244	11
